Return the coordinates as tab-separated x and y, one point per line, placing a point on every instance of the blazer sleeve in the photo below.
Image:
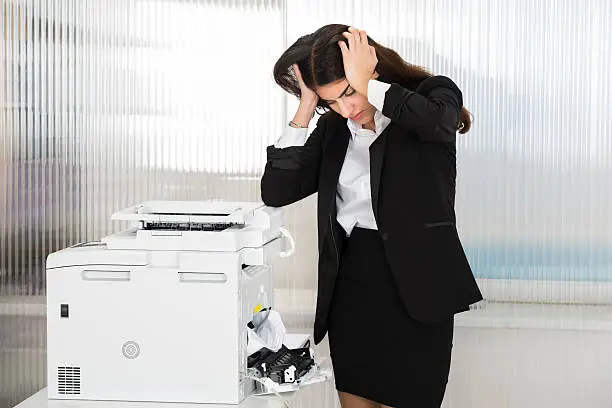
292	173
431	111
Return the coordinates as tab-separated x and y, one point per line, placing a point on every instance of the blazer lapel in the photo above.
333	159
377	155
331	165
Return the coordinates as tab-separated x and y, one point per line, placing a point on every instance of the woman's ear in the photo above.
374	75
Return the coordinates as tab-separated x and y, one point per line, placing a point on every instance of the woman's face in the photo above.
342	98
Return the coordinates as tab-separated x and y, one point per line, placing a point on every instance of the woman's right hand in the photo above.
308	96
308	102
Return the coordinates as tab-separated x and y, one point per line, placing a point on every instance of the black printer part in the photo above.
283	366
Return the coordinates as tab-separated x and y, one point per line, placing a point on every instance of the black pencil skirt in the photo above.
378	351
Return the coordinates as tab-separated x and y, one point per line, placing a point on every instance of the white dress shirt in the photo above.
353	193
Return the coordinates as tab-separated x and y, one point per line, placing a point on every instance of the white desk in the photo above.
320	395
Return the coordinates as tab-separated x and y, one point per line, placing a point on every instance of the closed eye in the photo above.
347	92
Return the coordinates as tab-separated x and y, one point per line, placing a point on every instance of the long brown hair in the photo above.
320	61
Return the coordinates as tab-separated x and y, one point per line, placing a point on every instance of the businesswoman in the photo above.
392	270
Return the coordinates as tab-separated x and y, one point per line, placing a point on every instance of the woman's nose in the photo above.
345	109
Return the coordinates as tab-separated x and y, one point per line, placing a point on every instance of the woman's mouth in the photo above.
358	116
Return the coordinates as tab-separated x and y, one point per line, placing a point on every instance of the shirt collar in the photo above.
380	123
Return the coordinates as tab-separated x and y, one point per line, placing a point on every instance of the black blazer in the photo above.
413	172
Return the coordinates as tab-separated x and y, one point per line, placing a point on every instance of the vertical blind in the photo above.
106	104
534	173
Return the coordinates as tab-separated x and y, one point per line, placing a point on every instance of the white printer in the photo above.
159	311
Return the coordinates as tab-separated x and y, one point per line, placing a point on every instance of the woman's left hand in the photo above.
359	60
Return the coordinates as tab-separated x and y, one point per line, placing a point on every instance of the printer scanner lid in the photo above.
212	225
211	211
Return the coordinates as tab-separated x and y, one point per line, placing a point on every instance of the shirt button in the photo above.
384	236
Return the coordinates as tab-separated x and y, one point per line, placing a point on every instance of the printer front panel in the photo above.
145	334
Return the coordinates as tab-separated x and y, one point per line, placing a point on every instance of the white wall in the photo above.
530	356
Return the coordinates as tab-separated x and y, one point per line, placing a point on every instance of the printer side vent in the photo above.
69	380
